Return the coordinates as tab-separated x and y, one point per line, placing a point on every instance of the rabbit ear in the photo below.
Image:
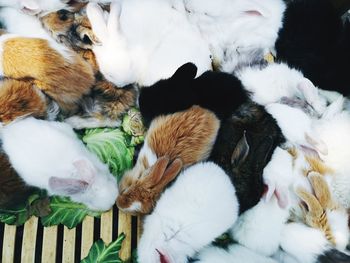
264	152
113	19
317	143
98	24
85	169
156	172
170	174
187	71
314	207
321	189
67	186
30	4
241	151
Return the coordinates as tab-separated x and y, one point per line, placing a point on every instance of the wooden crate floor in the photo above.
35	243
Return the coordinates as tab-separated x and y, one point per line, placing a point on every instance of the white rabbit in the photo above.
145	41
34	7
277	81
236	30
197	208
234	254
259	228
50	156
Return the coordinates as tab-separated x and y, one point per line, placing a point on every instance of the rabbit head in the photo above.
138	194
90	184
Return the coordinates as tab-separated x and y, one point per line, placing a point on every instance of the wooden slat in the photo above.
124	225
68	245
8	249
139	228
49	244
107	226
29	240
87	236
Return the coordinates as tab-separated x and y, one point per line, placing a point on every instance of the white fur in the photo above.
139	46
34	7
233	33
197	208
272	83
260	227
40	150
338	221
234	254
134	207
303	243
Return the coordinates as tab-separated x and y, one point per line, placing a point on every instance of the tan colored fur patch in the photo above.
316	165
34	59
19	99
188	135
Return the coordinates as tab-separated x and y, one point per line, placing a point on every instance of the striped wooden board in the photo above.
35	243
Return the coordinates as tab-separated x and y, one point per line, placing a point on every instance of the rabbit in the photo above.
13	191
235	253
49	155
188	136
138	47
203	205
323	212
19	99
278	82
243	148
35	7
237	31
315	40
65	77
219	92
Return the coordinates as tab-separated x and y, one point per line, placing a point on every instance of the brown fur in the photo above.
318	166
317	205
20	99
65	82
188	135
13	191
147	188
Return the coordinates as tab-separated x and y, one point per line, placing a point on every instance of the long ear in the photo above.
113	19
321	189
314	207
67	186
170	174
240	153
156	172
30	4
187	71
98	23
85	169
264	152
317	143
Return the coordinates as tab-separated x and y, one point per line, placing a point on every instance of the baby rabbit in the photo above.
49	155
138	47
243	148
63	76
19	99
188	136
13	191
219	92
197	208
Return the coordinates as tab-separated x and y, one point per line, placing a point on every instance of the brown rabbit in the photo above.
140	196
13	191
60	73
188	136
322	212
106	103
20	99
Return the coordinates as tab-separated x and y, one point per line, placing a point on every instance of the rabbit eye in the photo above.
63	15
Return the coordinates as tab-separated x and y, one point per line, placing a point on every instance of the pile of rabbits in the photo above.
236	143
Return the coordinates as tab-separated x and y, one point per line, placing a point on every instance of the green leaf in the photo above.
112	147
66	212
36	204
100	253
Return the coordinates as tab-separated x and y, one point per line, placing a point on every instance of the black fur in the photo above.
263	136
314	40
219	92
333	256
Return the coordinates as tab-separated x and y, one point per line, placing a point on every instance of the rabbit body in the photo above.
135	43
49	155
203	206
